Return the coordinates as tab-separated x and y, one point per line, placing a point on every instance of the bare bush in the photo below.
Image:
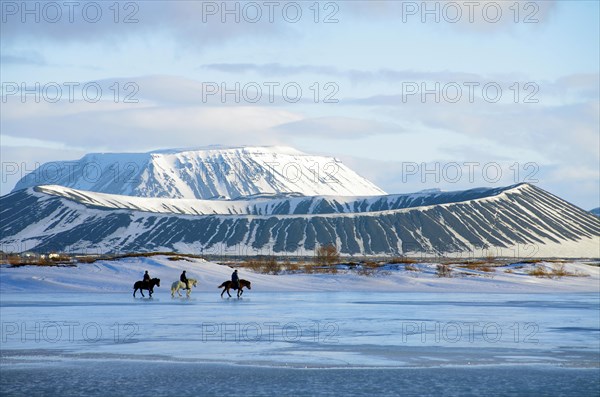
366	271
267	265
327	255
291	267
271	266
539	271
254	265
558	271
401	259
443	271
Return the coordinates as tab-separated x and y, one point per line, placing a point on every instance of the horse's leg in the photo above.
228	292
134	291
222	292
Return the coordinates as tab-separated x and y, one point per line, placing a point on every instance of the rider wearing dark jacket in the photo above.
183	278
146	277
235	280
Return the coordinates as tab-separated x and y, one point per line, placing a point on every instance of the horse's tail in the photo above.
222	285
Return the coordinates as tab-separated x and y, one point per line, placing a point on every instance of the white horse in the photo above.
177	285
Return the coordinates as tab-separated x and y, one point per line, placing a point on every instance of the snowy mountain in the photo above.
206	173
518	221
265	200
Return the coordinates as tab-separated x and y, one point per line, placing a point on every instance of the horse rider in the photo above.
183	278
235	279
146	277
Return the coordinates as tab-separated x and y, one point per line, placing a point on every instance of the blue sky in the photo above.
374	53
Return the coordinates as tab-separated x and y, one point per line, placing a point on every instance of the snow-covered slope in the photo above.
205	173
519	221
267	204
265	200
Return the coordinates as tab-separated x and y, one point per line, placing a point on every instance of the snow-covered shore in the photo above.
119	276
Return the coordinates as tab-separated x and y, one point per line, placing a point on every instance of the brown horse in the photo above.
227	285
148	285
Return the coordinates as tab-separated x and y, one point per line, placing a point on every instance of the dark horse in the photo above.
149	285
227	285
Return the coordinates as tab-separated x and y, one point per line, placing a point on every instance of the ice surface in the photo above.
327	335
102	378
329	330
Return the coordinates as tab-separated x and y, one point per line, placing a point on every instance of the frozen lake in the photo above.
305	343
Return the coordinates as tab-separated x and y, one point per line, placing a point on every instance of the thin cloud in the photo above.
277	69
484	16
91	21
32	58
338	127
270	69
118	127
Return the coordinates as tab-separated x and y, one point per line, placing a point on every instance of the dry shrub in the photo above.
265	265
370	264
178	258
366	271
539	271
254	265
532	261
86	259
327	255
558	270
271	266
474	265
411	268
324	269
400	259
443	271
